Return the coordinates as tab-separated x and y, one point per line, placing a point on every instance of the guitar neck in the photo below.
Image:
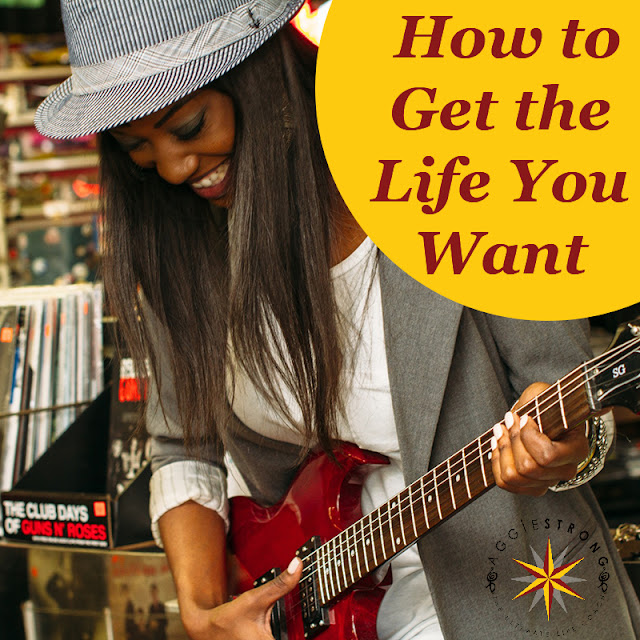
454	483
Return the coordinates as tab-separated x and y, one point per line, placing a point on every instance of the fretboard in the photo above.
454	483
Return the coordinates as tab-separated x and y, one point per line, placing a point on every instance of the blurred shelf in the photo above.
143	548
33	74
54	164
55	209
21	226
21	120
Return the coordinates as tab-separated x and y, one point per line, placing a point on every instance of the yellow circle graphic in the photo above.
490	150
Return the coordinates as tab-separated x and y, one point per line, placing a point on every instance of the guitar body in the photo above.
323	500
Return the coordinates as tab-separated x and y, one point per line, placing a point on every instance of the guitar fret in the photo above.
424	503
393	537
400	520
321	576
330	569
355	531
466	475
453	498
364	545
350	554
413	515
320	572
372	543
459	469
344	557
332	554
435	488
326	571
484	477
384	551
340	563
564	418
538	414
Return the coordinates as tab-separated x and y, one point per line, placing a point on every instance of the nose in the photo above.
176	167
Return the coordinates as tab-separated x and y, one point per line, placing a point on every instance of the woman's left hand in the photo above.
525	460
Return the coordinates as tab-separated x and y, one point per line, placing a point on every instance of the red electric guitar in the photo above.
320	519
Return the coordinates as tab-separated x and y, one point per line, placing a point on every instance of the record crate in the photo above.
75	495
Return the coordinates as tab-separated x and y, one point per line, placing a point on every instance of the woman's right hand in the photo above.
246	617
195	543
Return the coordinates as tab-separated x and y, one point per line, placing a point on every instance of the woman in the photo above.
262	304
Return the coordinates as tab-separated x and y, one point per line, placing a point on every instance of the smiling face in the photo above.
190	141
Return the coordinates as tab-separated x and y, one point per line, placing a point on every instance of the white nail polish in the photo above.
497	431
494	443
508	419
293	566
523	420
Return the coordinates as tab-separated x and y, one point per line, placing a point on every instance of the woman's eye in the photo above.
191	130
132	146
129	144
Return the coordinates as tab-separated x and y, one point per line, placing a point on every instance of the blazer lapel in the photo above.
420	329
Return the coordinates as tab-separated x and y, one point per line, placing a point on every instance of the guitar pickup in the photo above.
315	617
278	617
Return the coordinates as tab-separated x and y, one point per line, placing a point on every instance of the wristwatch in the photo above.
599	444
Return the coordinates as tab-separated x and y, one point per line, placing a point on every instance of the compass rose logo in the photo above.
548	578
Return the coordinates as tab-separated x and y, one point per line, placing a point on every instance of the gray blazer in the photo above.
453	373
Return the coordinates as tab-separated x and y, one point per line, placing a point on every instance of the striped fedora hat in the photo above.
130	58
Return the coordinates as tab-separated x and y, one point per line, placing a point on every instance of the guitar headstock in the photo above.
614	377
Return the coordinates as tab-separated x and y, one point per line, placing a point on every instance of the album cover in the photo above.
129	446
69	593
23	395
43	420
33	375
67	345
140	594
8	365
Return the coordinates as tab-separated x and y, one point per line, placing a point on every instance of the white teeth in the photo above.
213	178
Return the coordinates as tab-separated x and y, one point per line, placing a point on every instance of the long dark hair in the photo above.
260	282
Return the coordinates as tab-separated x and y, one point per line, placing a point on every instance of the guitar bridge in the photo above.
315	617
278	617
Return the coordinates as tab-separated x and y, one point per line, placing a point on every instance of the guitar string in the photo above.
356	529
435	483
551	392
352	537
436	486
296	599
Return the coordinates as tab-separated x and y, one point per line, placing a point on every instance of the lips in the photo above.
215	183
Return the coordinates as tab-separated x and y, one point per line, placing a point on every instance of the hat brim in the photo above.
64	115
